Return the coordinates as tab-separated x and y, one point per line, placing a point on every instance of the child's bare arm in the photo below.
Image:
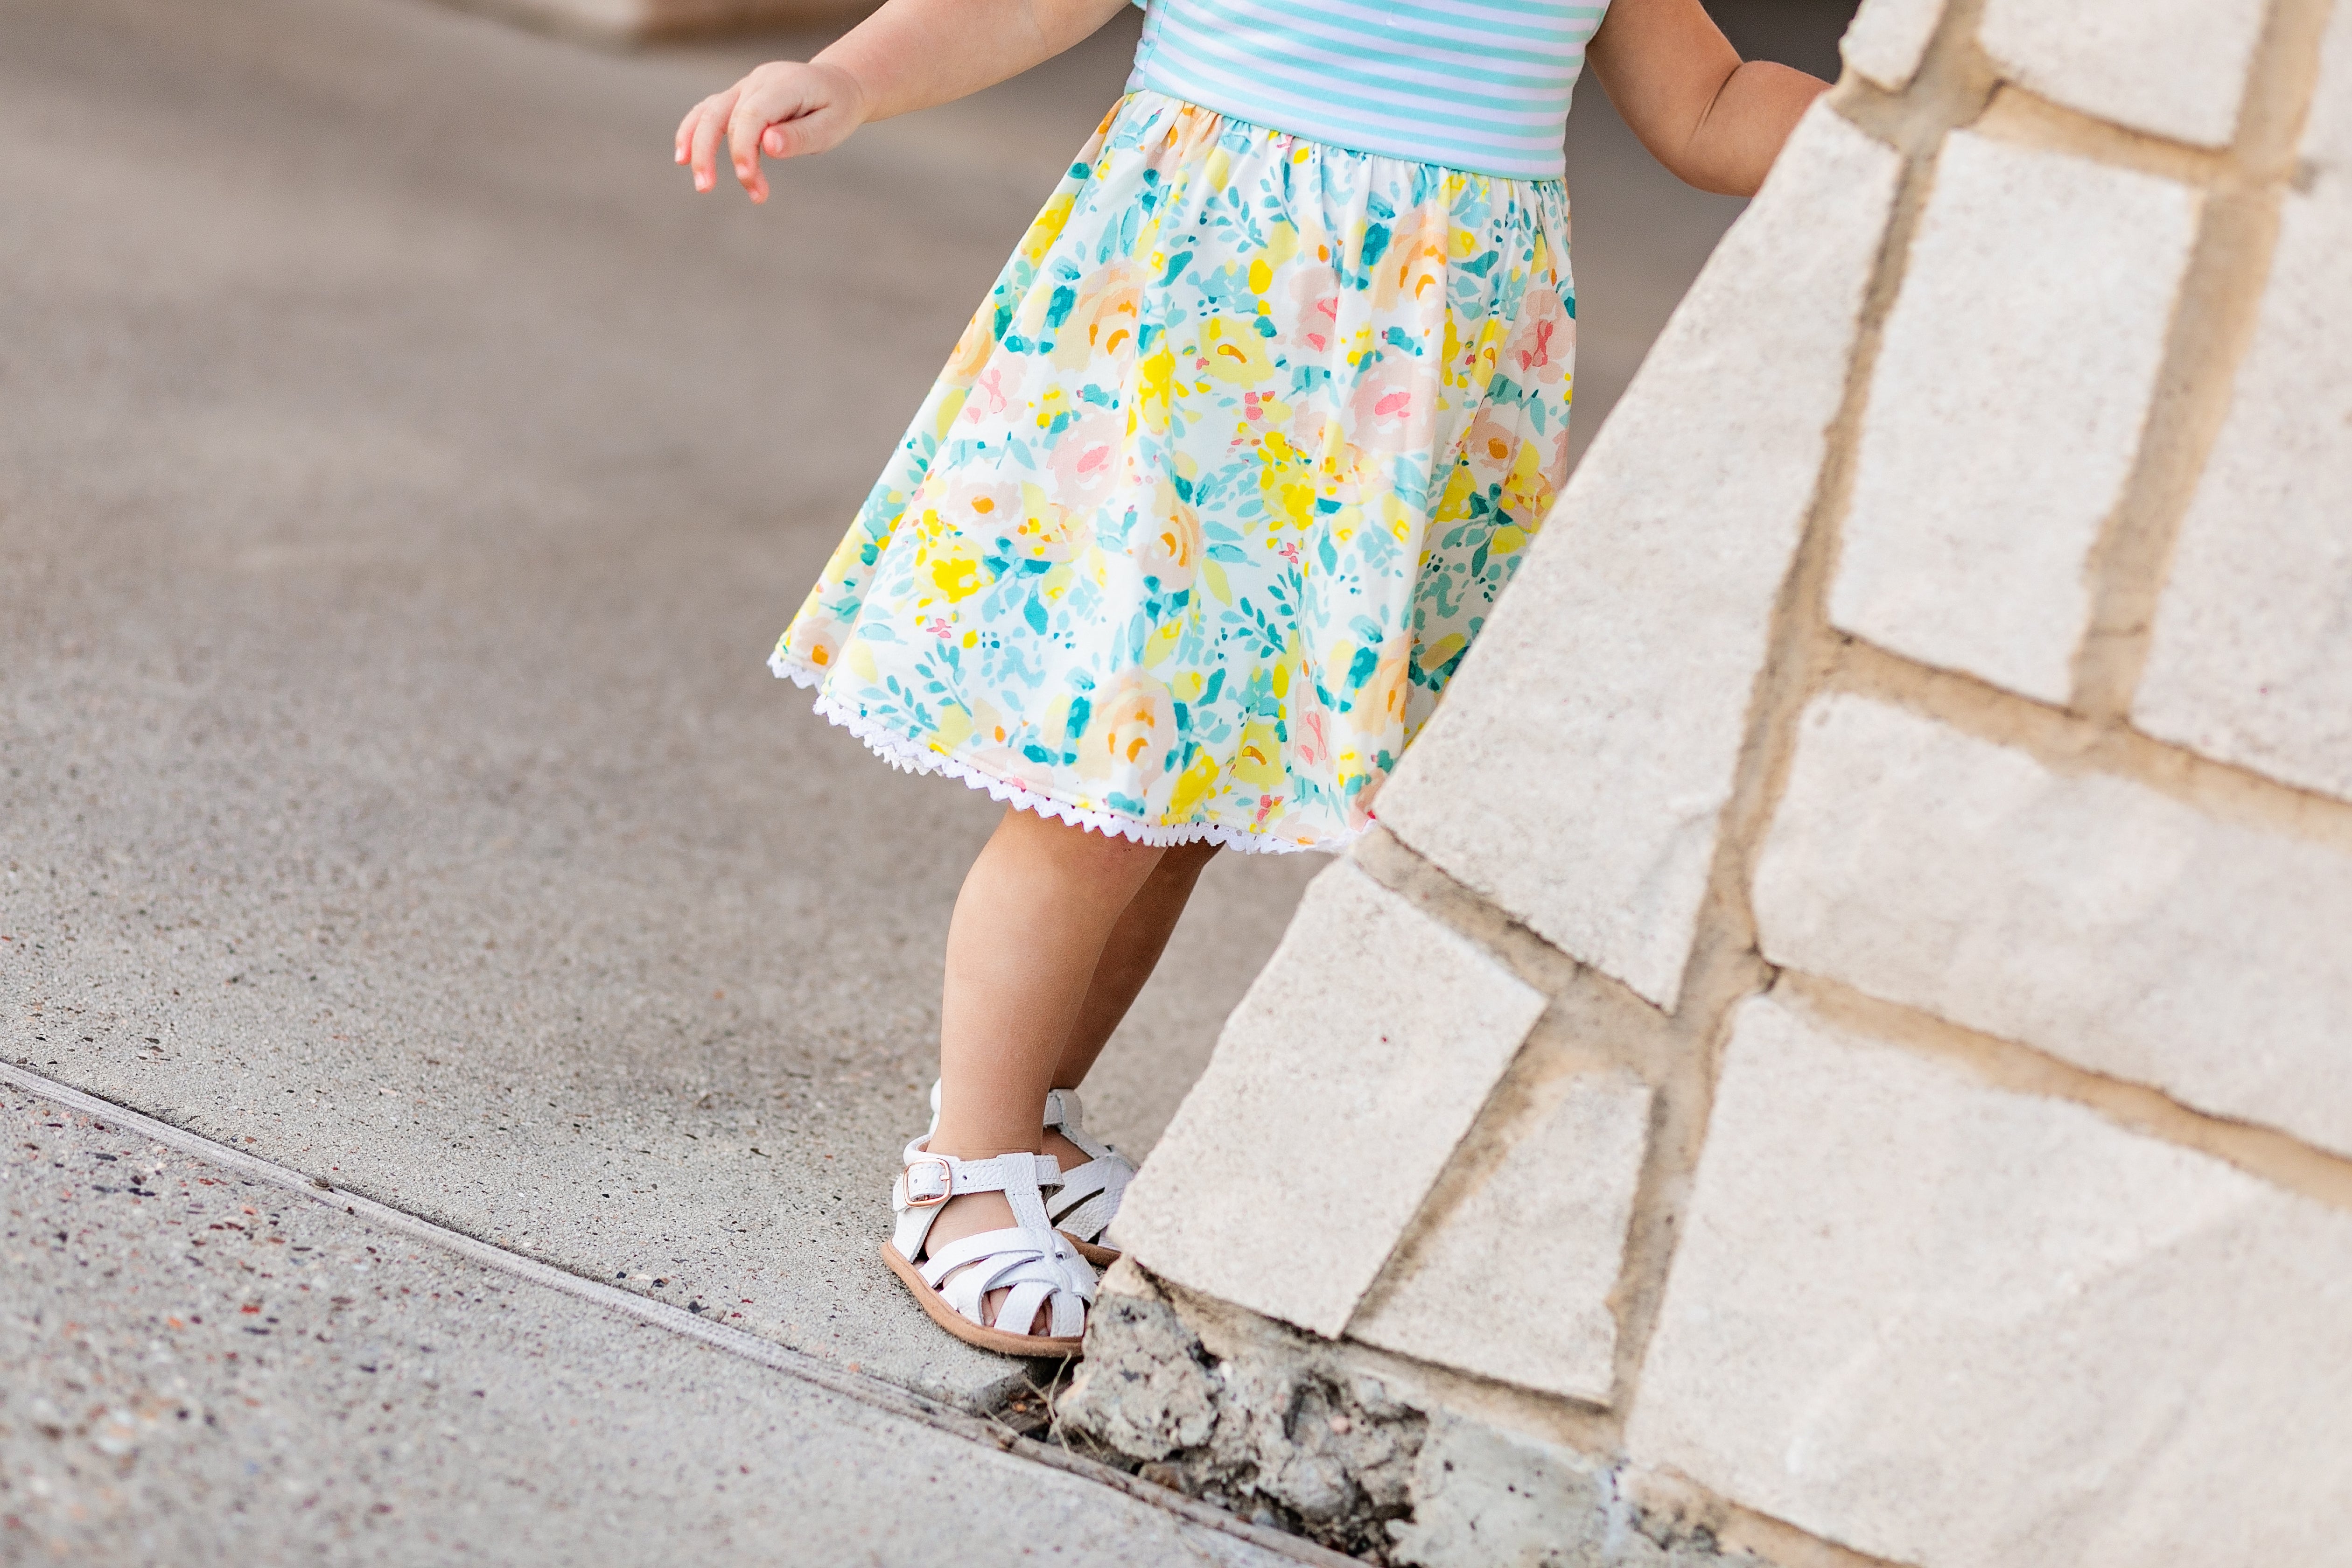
1716	122
909	55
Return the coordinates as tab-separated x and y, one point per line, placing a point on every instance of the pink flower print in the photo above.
938	626
992	398
1394	407
1542	344
1491	445
1310	734
1556	459
982	508
1314	301
1085	459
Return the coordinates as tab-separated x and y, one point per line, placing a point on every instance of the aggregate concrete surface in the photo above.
402	477
204	1369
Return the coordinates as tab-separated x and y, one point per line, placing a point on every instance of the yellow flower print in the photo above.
1193	786
1047	531
1168	546
957	572
1129	732
1155	387
1236	355
1288	481
1416	261
1047	226
1104	320
1259	760
1379	702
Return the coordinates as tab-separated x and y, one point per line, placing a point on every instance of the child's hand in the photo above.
784	109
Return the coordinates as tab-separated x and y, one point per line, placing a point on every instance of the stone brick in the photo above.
1887	39
1578	765
1514	1285
2080	913
2327	135
2006	409
2252	655
1483	1498
2171	68
1340	1088
1963	1327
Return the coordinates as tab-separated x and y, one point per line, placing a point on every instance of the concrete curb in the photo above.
869	1391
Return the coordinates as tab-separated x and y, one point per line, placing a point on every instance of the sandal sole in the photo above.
1030	1347
1100	1257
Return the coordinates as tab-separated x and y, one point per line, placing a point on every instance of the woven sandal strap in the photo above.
964	1272
1064	1114
1088	1198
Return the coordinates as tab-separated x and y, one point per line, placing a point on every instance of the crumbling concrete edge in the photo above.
1328	1440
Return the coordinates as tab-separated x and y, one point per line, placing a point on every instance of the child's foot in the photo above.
970	1216
1094	1175
974	1245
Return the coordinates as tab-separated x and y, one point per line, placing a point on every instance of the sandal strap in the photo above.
1083	1201
928	1180
1067	1115
1087	1199
1039	1271
1061	1282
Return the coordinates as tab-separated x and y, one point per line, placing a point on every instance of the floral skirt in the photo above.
1220	485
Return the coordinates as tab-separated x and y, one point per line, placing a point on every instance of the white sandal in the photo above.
1088	1198
1041	1267
1085	1202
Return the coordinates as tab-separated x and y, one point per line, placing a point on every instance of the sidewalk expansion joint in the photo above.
873	1391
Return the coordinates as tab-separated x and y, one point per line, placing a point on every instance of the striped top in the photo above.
1481	85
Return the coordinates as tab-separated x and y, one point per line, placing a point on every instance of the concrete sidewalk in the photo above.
205	1368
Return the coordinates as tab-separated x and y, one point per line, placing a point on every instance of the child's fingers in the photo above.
704	155
744	134
771	141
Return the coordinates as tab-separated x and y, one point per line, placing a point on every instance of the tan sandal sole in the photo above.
1033	1347
1100	1257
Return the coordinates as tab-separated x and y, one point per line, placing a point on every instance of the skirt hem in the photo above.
908	756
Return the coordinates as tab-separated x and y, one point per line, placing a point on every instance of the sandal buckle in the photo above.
947	1181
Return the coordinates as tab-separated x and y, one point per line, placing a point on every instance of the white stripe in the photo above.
1394	83
1431	101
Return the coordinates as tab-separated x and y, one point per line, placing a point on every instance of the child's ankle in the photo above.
977	1152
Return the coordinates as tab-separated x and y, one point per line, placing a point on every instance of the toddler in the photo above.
1209	503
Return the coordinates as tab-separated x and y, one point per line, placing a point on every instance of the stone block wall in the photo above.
1841	1050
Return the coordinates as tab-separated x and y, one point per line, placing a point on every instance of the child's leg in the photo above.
1129	957
1030	928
